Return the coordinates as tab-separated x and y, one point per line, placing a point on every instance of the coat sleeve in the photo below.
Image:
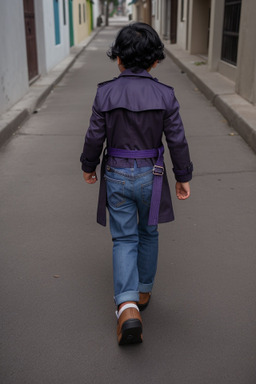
94	138
177	143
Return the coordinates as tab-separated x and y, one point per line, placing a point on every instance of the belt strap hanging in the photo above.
102	199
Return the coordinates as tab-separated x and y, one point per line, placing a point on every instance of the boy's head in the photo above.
138	46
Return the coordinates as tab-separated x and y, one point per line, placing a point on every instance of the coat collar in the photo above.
140	73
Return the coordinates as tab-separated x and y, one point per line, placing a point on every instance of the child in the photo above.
132	112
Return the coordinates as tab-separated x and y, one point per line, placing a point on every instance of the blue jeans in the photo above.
135	243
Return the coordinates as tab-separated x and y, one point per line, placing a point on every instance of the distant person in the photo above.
132	112
99	21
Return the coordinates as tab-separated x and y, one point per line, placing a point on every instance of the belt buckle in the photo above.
158	170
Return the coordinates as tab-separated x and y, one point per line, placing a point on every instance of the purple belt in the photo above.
158	171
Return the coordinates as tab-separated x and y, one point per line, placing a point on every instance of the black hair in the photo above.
138	46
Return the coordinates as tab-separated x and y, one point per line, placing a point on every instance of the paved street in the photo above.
56	297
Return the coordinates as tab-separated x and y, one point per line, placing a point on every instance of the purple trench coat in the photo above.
133	111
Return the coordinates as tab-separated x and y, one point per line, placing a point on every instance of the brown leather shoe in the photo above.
129	325
144	300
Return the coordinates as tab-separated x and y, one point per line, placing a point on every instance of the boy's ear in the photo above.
155	64
120	65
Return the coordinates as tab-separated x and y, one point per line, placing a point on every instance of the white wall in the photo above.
182	26
96	12
54	54
246	66
13	56
40	38
216	30
166	20
156	15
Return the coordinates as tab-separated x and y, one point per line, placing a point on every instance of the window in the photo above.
80	16
231	31
56	21
64	12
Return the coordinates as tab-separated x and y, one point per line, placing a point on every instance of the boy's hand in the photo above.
182	190
90	178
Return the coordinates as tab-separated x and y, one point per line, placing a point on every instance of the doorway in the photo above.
30	31
174	15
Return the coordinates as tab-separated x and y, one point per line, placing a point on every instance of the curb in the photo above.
241	116
9	125
239	113
11	120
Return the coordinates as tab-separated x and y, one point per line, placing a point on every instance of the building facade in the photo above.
52	32
14	80
82	20
221	32
142	10
36	35
34	39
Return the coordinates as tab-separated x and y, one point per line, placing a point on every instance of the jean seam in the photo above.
114	180
113	170
144	201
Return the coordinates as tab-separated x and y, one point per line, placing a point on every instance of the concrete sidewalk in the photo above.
12	119
240	114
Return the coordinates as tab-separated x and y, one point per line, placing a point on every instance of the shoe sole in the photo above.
131	332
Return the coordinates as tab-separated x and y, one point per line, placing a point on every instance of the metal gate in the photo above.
30	30
231	31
